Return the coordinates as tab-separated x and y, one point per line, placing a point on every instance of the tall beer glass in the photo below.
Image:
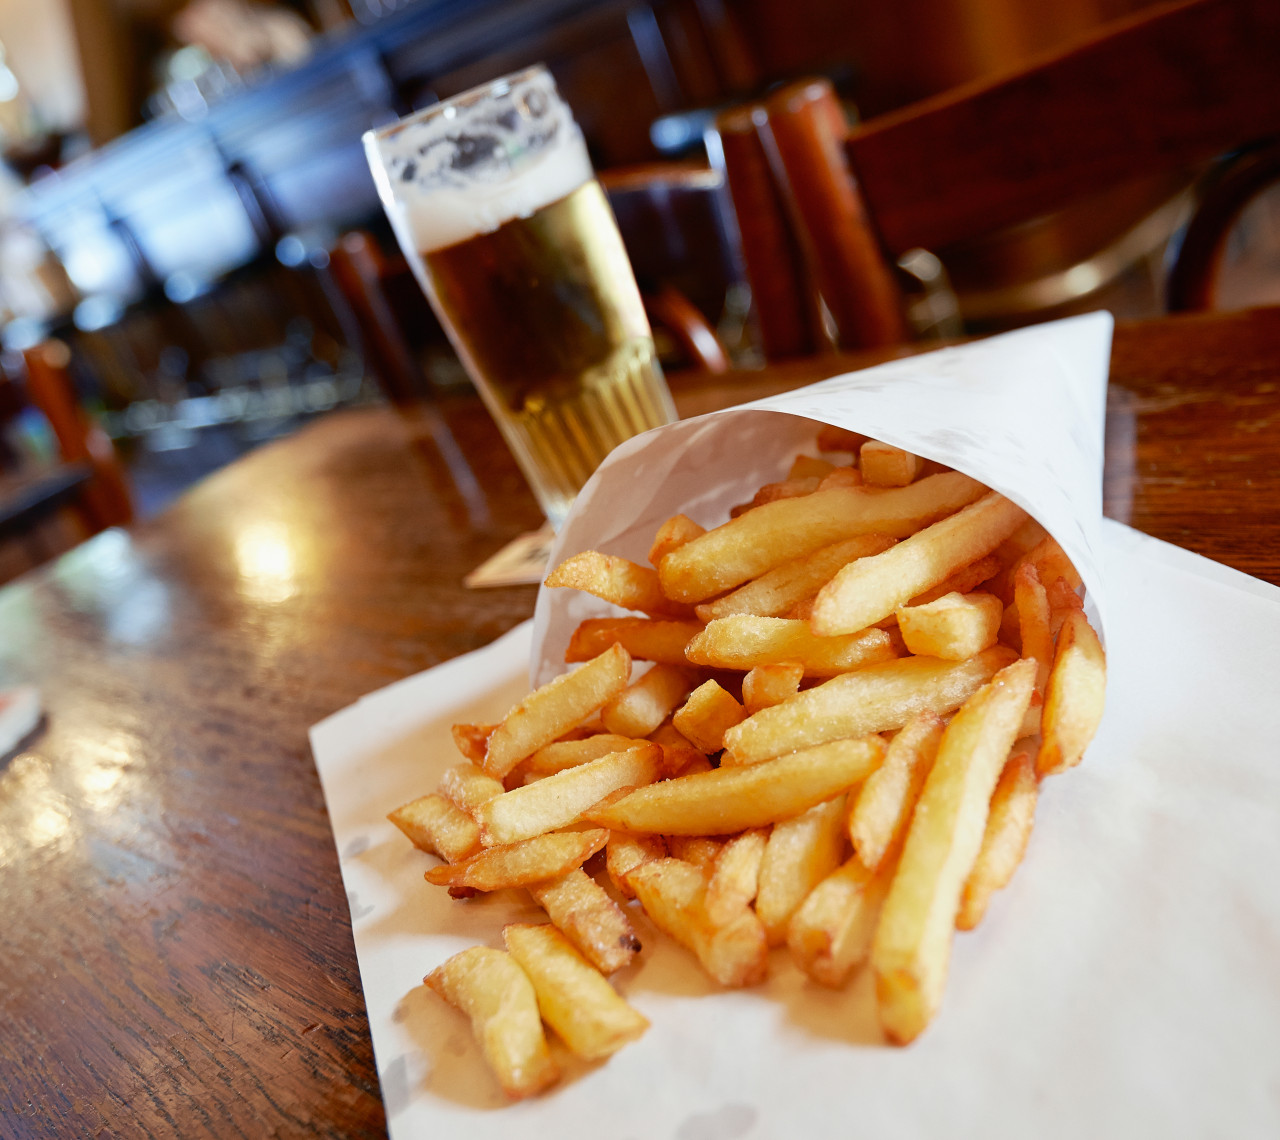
492	198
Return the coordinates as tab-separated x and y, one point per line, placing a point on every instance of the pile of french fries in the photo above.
856	686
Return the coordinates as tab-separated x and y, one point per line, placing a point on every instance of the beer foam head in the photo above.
466	166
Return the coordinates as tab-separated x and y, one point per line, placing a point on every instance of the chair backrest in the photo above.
1163	91
105	500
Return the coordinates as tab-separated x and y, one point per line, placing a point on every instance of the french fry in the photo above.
624	853
790	488
1009	820
729	800
562	754
841	477
677	752
1052	563
775	533
735	875
875	699
1074	696
555	707
744	641
883	465
776	592
705	716
616	580
1034	635
954	627
912	946
472	740
519	864
642	638
700	850
672	535
963	581
582	910
872	588
438	827
496	994
584	1010
830	933
558	800
673	894
642	707
467	787
801	852
879	815
767	685
809	467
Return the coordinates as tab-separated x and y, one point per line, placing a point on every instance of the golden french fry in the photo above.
880	814
438	827
841	477
954	627
467	787
491	989
562	754
705	716
775	533
584	1009
558	800
790	488
777	592
801	852
809	467
831	932
677	752
883	465
642	707
872	588
472	740
673	895
912	946
616	580
1062	600
555	707
624	853
729	800
875	699
1009	820
700	850
642	638
1051	563
1074	696
767	685
519	864
744	641
583	911
735	875
963	581
672	535
1034	633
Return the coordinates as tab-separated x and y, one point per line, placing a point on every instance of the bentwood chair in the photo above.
825	211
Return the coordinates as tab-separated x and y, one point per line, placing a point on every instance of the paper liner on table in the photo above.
1023	413
1123	985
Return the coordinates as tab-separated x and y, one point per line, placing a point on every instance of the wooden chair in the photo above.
825	211
87	479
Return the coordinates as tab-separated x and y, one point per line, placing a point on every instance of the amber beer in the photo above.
527	272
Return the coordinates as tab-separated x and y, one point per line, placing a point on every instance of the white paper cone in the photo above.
1023	413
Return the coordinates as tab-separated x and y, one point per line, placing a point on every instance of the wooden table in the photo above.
175	950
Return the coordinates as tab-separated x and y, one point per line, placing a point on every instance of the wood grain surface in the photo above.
176	954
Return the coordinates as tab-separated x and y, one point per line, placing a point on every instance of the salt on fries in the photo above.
856	685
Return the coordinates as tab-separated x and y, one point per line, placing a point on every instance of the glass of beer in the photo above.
493	200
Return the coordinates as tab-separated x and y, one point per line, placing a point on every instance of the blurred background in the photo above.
186	214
